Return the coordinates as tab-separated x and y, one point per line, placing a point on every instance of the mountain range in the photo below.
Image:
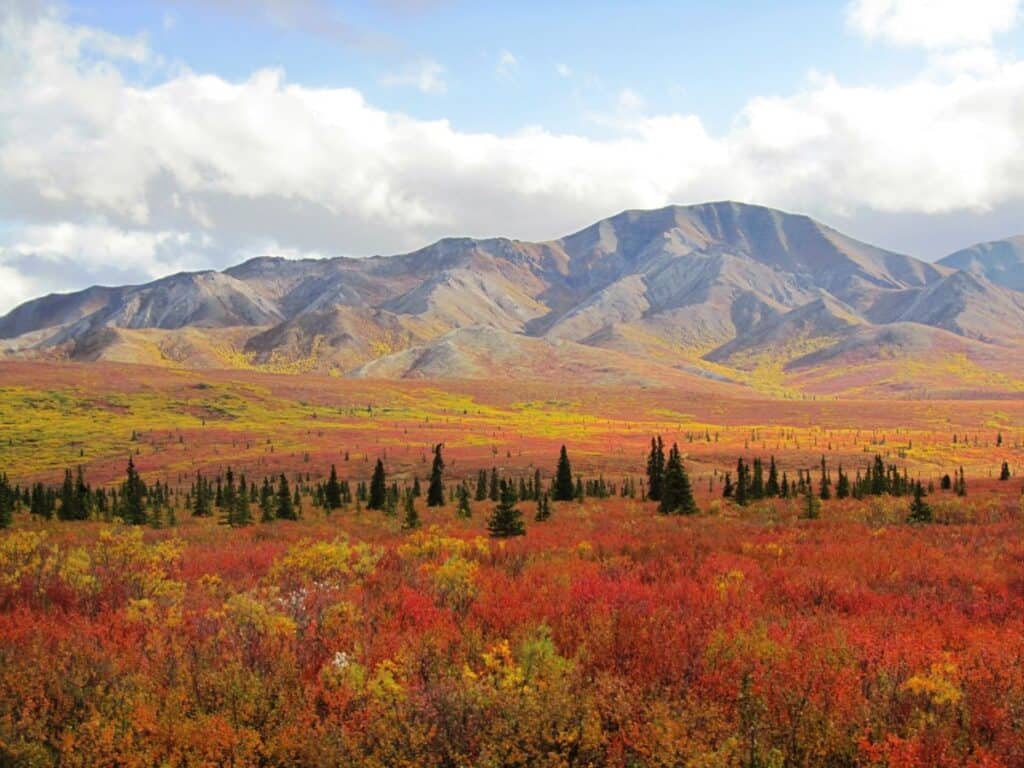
720	290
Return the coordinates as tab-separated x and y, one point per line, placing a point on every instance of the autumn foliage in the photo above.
608	635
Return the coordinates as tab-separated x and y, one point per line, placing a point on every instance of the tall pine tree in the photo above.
564	489
435	492
378	488
676	493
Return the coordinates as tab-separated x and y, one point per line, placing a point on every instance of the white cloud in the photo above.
933	23
563	70
630	101
507	64
97	172
425	75
16	287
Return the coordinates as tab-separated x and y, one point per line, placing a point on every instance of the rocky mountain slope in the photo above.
702	288
1000	261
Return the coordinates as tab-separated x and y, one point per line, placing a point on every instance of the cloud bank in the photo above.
106	177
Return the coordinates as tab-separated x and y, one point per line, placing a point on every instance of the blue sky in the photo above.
572	59
141	138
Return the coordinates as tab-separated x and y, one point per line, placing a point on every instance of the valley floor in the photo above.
608	634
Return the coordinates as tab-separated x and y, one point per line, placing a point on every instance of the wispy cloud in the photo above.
426	75
630	101
508	64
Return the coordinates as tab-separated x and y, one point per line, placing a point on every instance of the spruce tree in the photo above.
1004	473
742	486
332	491
411	520
543	508
842	484
267	502
565	489
464	509
284	508
481	485
493	493
757	481
655	469
67	510
201	497
920	512
878	480
243	515
772	488
133	497
6	503
378	494
812	504
435	491
727	487
506	520
824	490
676	493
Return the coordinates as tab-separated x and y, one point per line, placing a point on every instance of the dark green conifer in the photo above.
564	489
676	493
435	491
506	520
378	488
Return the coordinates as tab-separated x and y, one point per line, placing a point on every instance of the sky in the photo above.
140	139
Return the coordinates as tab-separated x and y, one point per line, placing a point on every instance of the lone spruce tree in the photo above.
378	488
506	520
435	492
920	512
564	490
676	493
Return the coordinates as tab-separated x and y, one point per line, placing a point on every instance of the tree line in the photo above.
238	501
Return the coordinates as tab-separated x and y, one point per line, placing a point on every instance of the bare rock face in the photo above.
719	281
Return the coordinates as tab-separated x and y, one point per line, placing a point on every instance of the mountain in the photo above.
1000	261
721	288
969	306
816	325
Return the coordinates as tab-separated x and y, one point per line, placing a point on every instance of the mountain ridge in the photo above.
675	286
